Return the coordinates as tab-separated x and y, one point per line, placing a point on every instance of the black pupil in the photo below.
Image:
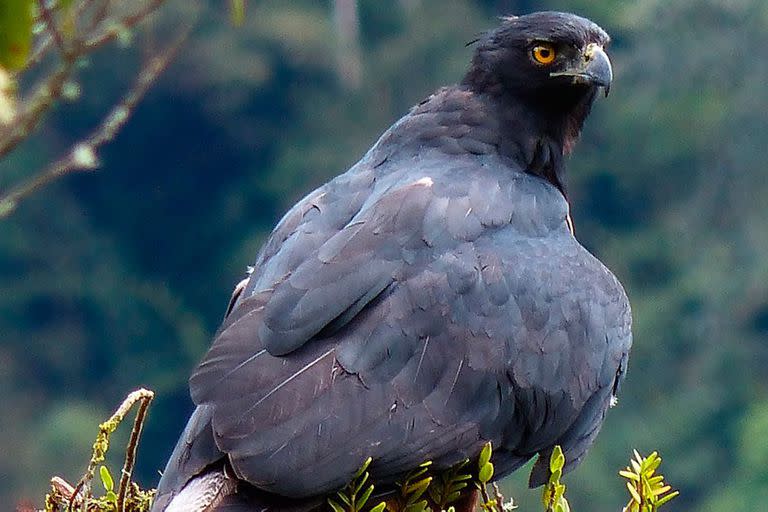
544	53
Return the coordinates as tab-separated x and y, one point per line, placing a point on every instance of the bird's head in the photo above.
542	55
543	72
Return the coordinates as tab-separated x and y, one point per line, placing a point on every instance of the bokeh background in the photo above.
117	279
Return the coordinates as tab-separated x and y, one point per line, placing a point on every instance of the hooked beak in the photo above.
594	68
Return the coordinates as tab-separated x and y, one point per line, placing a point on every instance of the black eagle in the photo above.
430	299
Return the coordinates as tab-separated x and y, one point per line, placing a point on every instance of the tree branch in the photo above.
83	154
46	94
45	13
145	398
126	23
98	25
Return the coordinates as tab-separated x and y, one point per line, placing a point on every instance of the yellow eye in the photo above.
544	53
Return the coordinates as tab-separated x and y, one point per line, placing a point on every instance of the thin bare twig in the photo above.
49	90
40	50
50	24
133	443
82	156
498	497
126	23
100	14
101	445
46	93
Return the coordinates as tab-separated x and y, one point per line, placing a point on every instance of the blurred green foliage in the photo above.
118	279
15	32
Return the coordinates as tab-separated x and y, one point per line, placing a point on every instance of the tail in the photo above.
219	491
198	478
201	494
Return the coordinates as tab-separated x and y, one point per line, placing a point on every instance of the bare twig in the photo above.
100	13
126	23
82	156
145	398
46	93
101	445
484	495
82	40
50	24
62	488
498	497
40	50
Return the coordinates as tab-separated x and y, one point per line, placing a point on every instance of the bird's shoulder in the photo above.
453	121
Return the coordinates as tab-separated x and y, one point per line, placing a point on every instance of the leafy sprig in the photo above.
647	490
354	496
447	486
485	471
413	487
553	496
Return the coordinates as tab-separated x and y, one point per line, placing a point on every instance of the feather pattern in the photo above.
430	299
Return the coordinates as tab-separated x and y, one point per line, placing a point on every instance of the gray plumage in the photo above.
430	299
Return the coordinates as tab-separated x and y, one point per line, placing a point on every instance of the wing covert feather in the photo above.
426	325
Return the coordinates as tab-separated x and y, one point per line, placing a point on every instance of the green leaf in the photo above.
419	506
422	469
486	473
15	33
485	455
557	460
111	497
436	492
335	506
654	461
363	498
362	469
668	497
634	493
361	483
106	479
379	508
416	490
344	499
453	497
629	475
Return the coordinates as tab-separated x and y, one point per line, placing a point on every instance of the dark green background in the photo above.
117	279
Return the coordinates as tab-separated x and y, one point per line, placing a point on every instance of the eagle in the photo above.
427	301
